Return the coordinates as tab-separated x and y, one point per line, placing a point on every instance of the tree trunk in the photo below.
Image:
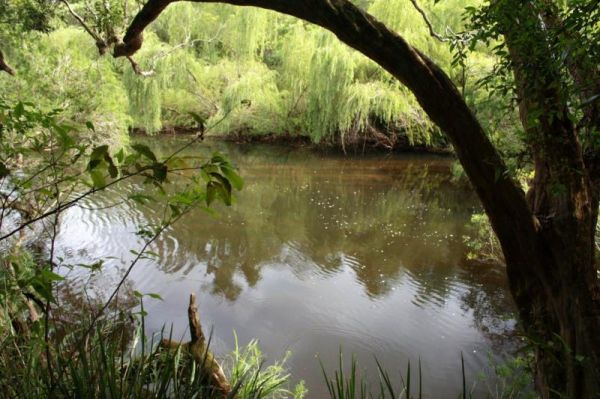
547	238
562	316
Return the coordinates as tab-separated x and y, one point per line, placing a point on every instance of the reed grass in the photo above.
113	364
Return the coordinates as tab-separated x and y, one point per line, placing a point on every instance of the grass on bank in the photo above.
112	363
115	362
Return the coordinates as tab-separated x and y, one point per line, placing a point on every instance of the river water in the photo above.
319	253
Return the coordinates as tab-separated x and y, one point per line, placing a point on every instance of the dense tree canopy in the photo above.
233	58
546	57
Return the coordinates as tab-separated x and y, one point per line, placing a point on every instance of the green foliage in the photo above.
481	240
569	39
63	167
258	382
251	70
513	378
60	70
112	364
17	16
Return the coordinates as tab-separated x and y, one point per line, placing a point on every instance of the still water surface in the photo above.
319	252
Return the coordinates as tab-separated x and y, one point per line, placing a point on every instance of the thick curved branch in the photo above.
503	199
103	45
4	66
433	89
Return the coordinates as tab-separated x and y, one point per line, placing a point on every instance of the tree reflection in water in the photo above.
393	225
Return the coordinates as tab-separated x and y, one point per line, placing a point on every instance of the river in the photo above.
319	252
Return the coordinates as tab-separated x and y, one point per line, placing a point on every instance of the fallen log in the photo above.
197	348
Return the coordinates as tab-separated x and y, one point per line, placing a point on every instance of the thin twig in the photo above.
78	198
163	54
432	32
85	26
70	203
197	138
51	266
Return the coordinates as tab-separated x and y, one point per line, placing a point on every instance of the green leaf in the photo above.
99	152
219	158
160	171
224	182
97	178
200	120
218	189
50	276
144	150
209	168
141	198
42	283
96	266
155	296
90	126
19	110
205	176
93	164
175	211
64	139
112	169
231	175
120	155
211	192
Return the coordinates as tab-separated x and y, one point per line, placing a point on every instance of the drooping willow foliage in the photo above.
253	71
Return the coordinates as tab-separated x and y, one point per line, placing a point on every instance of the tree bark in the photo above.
564	317
547	239
4	66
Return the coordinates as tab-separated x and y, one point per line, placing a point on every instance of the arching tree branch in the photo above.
503	199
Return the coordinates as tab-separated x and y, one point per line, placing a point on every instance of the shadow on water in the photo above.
321	251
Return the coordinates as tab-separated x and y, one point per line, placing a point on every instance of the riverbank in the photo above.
368	144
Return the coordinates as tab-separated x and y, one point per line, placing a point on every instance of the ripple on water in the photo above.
366	259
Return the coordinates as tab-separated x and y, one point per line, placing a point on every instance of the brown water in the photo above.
319	252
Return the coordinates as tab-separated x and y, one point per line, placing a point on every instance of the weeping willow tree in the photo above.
290	79
60	70
256	73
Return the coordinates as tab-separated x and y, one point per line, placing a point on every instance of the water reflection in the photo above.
323	250
324	214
